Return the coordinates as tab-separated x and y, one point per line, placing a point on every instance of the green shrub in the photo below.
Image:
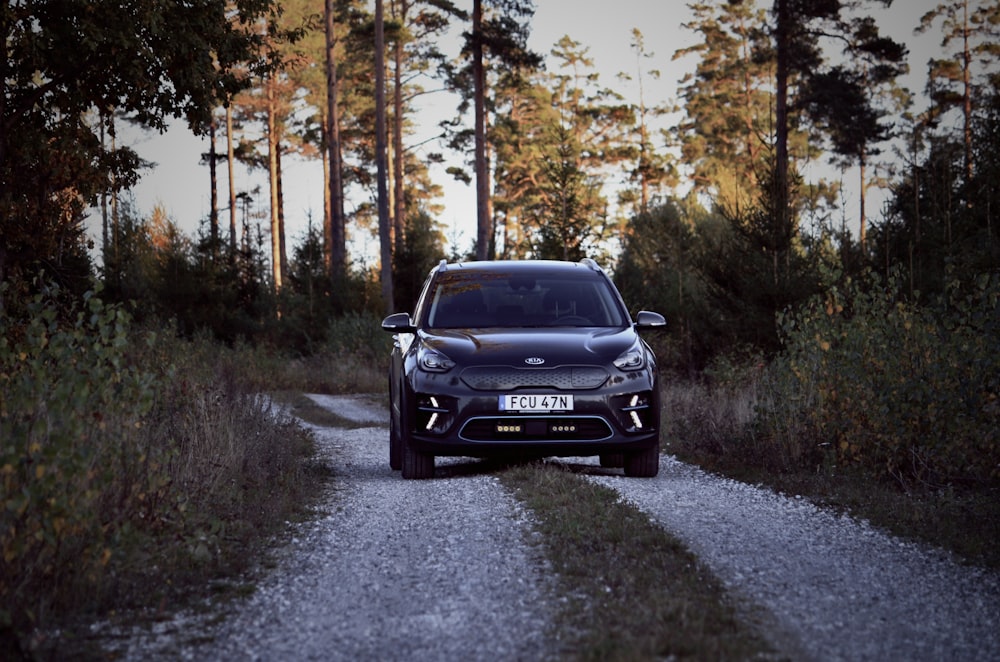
869	379
361	335
134	466
354	358
72	463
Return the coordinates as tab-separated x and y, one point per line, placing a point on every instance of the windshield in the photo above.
512	300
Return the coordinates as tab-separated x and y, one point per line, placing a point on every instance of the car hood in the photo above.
520	348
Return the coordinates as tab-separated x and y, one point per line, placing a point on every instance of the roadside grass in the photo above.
329	371
715	426
352	359
149	472
301	406
632	591
180	476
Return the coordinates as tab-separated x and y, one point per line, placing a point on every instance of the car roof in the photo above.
515	266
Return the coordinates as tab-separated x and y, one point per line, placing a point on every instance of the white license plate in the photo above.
536	403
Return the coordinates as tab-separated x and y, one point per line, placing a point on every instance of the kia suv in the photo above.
522	358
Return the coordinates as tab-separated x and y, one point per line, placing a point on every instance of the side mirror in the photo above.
398	323
647	319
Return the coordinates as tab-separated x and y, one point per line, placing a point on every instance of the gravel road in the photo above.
416	570
836	587
446	570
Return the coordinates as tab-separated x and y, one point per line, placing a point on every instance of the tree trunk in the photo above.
327	206
482	176
104	208
384	228
390	178
272	163
338	227
781	212
213	174
281	207
231	160
399	213
862	227
115	226
967	100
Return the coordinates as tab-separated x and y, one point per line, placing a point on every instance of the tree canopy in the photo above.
69	68
711	199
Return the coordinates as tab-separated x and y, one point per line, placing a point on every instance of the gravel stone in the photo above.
445	570
840	588
397	570
357	408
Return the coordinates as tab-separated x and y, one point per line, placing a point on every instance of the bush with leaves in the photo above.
135	466
71	463
870	379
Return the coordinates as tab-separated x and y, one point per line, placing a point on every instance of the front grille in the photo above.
504	378
536	428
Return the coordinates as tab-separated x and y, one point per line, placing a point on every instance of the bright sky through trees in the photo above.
181	185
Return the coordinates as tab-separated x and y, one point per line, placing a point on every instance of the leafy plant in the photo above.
869	378
134	466
71	464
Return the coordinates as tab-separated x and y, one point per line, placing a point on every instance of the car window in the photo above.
508	300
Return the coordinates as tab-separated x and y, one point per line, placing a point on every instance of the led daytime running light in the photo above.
434	416
635	415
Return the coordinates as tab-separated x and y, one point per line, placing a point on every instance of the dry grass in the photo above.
697	416
719	428
634	592
190	502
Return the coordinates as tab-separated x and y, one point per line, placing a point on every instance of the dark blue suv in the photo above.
522	358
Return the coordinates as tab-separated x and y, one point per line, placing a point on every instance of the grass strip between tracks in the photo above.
632	591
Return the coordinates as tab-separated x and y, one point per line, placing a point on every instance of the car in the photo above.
522	359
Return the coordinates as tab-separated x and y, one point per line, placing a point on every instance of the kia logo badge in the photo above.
534	360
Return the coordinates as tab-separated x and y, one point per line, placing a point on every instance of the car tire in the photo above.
416	465
395	444
643	464
613	460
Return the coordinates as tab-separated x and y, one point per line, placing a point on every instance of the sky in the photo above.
180	184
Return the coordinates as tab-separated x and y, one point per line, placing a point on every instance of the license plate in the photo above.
536	403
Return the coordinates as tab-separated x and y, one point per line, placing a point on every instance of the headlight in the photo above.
630	360
433	361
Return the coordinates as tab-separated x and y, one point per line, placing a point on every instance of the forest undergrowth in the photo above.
140	468
887	409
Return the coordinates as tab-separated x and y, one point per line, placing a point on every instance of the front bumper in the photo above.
446	418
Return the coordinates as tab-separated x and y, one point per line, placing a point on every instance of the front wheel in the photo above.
416	465
395	445
643	464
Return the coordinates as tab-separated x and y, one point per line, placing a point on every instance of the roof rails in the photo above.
590	263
